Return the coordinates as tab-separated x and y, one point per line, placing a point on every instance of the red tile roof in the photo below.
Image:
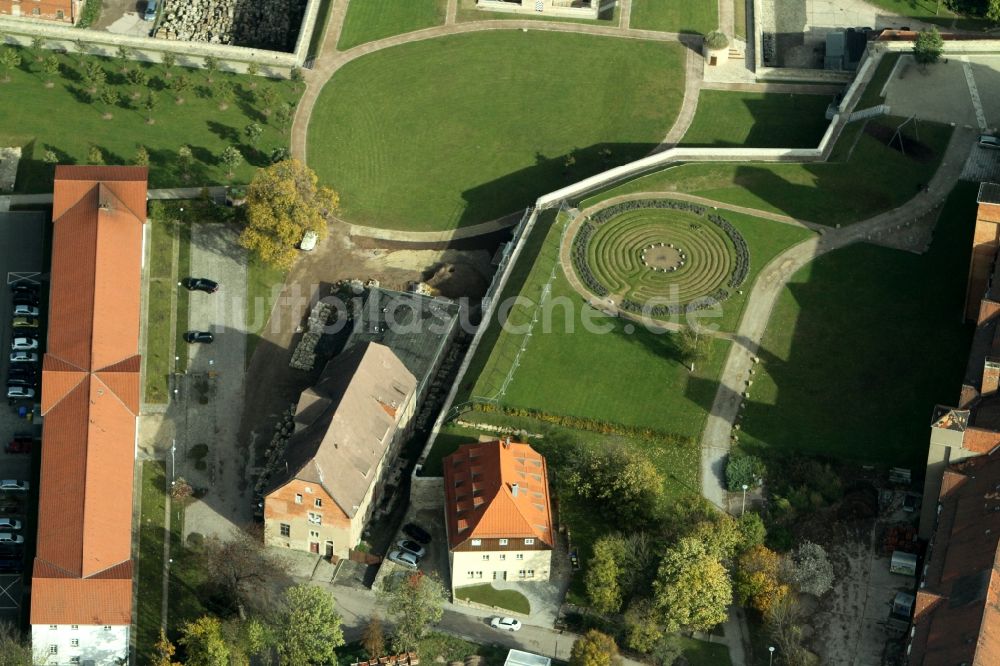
90	398
957	618
497	490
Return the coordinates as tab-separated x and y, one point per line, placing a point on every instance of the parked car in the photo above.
25	322
23	357
11	564
25	298
408	560
15	380
20	444
506	623
24	344
201	284
150	13
15	485
22	287
989	141
203	337
25	310
10	524
15	392
417	532
411	546
308	242
22	370
9	537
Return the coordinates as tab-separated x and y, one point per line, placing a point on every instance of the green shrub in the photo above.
91	12
716	40
743	469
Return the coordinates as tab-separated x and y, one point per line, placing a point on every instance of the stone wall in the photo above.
270	24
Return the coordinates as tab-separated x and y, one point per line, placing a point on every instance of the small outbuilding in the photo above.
902	563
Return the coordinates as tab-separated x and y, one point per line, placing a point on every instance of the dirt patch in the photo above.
911	147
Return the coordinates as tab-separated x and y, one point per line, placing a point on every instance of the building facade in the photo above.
348	431
81	584
66	11
585	9
497	513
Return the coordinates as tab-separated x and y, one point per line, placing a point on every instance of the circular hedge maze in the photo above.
660	257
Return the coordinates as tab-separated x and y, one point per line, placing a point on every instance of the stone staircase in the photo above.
871	112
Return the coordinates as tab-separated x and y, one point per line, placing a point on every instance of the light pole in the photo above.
770	658
744	509
173	468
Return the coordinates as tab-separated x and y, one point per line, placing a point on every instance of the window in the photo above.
75	642
309	489
520	556
74	660
315	518
74	626
486	558
107	627
529	542
531	573
479	574
503	556
472	574
37	12
53	627
477	542
286	530
520	573
503	542
53	649
314	534
318	503
60	15
298	498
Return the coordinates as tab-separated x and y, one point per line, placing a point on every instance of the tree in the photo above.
757	581
414	601
225	93
373	638
150	106
623	483
109	97
269	98
94	76
253	69
138	78
594	649
692	589
94	155
280	154
50	157
14	650
203	642
716	40
185	158
9	60
309	626
180	86
37	46
141	157
604	573
694	345
163	651
253	132
928	47
211	67
642	631
246	639
667	650
810	569
232	158
123	54
283	202
283	116
993	10
295	73
50	67
168	60
743	469
752	530
243	569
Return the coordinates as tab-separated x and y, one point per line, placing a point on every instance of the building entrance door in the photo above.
314	547
329	550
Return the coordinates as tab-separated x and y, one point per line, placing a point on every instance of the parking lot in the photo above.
21	262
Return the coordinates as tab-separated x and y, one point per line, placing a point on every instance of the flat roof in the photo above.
521	658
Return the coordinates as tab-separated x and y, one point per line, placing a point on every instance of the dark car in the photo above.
25	298
201	284
20	444
21	371
415	531
203	337
21	381
24	288
11	565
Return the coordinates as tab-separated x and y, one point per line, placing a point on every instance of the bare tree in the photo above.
244	569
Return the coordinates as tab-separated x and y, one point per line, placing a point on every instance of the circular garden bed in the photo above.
659	256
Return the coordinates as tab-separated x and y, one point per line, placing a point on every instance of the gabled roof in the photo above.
957	617
497	490
345	424
90	398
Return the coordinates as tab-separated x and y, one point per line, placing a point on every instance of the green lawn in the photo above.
159	363
699	16
758	120
703	653
511	600
444	133
468	11
836	377
740	18
70	124
150	560
368	20
933	11
872	95
873	179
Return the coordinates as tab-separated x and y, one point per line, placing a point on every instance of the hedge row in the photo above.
580	244
742	251
605	214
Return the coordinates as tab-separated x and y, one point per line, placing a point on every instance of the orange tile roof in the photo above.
497	490
90	397
957	618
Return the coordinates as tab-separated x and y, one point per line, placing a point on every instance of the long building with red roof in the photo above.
498	513
81	588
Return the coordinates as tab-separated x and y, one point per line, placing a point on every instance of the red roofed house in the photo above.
957	613
67	11
497	513
81	587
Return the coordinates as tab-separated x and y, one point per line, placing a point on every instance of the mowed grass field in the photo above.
758	120
369	20
863	178
468	10
63	120
862	344
697	16
450	132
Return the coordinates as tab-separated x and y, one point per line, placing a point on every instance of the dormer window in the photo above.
503	542
529	542
477	542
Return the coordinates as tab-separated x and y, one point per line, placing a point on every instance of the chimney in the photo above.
991	376
506	442
513	489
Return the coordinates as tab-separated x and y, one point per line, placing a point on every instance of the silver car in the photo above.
7	537
10	524
23	357
405	559
12	484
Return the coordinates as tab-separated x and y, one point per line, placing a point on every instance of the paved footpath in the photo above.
769	285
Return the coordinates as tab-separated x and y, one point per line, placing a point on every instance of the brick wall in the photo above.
291	505
66	11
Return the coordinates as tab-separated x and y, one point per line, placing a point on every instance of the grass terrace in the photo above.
467	11
936	11
758	120
694	16
488	595
152	534
162	285
370	20
442	133
197	123
835	379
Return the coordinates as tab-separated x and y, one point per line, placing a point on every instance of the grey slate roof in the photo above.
345	423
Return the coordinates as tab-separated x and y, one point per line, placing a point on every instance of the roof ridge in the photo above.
73	205
113	391
69	574
104	188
